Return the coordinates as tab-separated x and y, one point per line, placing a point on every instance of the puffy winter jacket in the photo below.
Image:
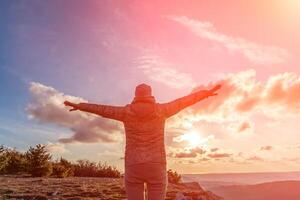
144	122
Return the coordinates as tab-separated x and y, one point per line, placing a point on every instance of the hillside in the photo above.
85	188
266	191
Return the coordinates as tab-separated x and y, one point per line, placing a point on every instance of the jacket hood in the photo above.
144	99
144	107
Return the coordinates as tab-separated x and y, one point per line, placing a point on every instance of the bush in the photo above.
105	170
85	168
39	161
15	162
60	171
11	161
3	159
173	177
63	169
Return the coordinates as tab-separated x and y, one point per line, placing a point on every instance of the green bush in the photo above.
105	170
60	171
3	159
39	161
63	168
173	176
11	161
85	168
15	162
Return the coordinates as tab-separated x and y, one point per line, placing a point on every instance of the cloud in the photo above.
186	153
203	159
293	147
56	148
219	155
214	149
198	150
255	158
244	126
276	97
254	52
266	148
159	70
186	138
294	159
242	95
111	153
46	106
240	126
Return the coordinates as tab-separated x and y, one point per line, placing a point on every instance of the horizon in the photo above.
52	51
261	172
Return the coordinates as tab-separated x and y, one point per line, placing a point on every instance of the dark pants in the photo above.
151	175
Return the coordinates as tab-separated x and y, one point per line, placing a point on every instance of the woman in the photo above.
144	121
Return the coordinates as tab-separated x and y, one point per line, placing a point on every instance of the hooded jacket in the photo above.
144	122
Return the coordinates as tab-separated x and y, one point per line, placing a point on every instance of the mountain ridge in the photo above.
276	190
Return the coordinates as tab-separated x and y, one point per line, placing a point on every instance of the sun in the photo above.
192	137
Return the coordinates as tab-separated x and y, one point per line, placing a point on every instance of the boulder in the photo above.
189	191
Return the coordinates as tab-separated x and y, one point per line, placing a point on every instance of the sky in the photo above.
98	51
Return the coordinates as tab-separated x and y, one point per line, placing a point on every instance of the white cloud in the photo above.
159	70
242	97
47	106
242	93
257	53
56	148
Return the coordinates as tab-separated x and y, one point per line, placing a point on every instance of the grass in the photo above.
76	188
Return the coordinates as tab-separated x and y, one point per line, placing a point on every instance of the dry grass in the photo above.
76	188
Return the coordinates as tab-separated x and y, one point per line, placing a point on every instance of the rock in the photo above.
193	186
189	191
180	196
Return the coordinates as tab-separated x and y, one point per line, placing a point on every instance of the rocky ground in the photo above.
86	188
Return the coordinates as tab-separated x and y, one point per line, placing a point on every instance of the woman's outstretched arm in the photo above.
112	112
173	107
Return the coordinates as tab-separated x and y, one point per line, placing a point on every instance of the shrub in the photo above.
63	168
60	171
39	161
3	159
16	162
105	170
173	176
11	161
91	169
85	168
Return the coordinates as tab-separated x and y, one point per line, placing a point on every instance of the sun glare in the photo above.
193	138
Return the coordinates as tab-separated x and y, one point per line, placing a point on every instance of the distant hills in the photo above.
280	190
250	186
241	178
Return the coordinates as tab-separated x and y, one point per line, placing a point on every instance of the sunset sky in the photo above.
98	51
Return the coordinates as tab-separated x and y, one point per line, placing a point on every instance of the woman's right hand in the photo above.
74	105
212	92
